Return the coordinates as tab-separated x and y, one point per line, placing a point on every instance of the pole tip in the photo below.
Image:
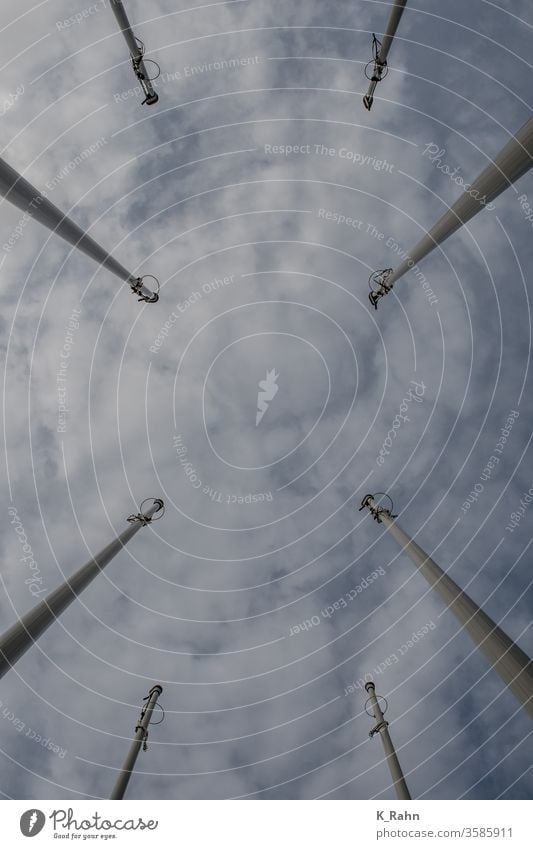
366	501
158	513
370	686
145	294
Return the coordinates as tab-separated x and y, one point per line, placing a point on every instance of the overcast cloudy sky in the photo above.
262	530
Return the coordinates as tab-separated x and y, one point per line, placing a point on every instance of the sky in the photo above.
262	195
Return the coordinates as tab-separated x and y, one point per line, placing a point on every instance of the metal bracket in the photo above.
375	509
379	286
378	727
375	71
139	63
144	734
379	69
158	689
139	517
137	287
150	96
147	520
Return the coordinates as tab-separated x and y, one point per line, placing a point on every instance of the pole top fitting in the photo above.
145	80
144	721
377	510
375	71
380	711
145	294
379	287
150	96
143	518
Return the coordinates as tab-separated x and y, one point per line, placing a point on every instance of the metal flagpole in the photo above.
511	163
136	48
382	727
18	191
380	52
513	665
141	736
17	640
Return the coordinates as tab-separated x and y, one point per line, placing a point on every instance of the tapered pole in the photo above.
141	736
512	664
18	191
17	640
136	52
381	51
382	728
508	166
